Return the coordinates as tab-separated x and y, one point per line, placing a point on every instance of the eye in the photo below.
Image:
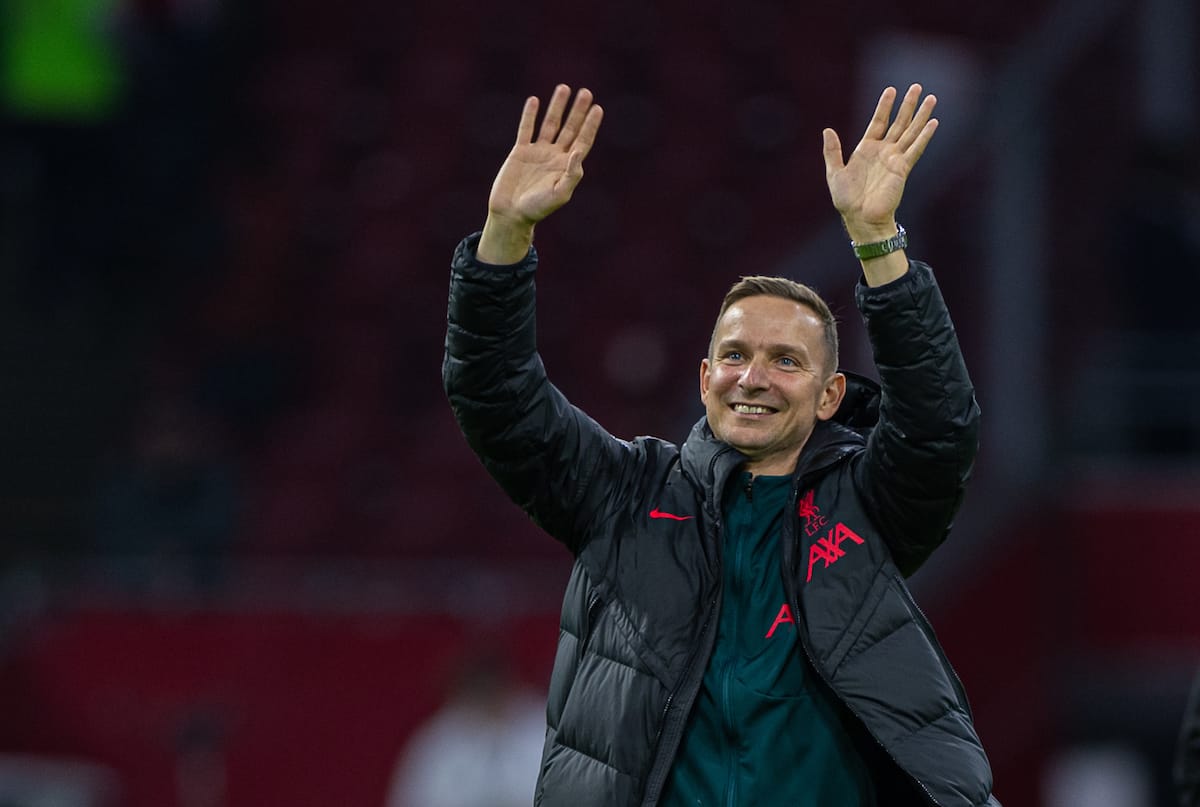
788	361
733	355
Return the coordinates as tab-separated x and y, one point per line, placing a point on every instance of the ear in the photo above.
704	368
831	396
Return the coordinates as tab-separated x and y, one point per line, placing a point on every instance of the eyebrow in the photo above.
775	348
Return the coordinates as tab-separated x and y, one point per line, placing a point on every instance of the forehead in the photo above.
769	320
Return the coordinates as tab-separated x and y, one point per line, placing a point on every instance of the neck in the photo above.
772	466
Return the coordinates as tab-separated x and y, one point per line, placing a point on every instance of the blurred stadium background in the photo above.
242	544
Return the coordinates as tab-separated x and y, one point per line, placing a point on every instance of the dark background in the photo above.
235	512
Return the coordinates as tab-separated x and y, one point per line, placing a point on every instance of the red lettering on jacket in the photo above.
829	548
785	616
813	520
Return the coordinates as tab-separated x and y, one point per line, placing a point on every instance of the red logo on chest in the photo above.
828	548
656	513
810	513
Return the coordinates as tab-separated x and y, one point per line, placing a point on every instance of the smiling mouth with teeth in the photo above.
750	409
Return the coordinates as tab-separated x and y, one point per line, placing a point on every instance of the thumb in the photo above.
570	178
833	152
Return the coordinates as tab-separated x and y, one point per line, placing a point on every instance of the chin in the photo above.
753	449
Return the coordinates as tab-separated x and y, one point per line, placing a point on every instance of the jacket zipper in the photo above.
658	771
658	774
731	788
731	772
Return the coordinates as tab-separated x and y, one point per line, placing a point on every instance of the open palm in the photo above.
867	189
539	175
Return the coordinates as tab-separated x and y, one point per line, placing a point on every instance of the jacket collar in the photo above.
709	462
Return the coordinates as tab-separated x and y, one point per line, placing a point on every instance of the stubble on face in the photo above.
766	381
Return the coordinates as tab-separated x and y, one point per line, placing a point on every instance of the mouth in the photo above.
752	409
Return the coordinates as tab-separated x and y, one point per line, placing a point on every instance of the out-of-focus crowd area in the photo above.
246	558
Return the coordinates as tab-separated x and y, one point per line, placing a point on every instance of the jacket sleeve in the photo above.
555	462
919	457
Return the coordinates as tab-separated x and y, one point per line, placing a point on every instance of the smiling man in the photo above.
736	630
771	373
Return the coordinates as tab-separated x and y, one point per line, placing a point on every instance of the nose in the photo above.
753	377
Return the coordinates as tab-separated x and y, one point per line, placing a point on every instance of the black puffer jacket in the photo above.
1187	751
641	606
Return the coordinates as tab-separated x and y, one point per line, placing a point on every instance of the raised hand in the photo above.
540	173
866	190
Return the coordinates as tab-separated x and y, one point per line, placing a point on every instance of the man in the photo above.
736	629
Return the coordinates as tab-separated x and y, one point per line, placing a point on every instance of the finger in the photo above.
914	152
579	110
575	167
905	114
554	112
883	111
833	152
587	131
528	116
914	129
565	186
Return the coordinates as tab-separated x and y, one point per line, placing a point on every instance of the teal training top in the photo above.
763	731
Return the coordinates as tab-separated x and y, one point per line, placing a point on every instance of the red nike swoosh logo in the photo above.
656	513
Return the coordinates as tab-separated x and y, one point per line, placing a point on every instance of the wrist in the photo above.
504	241
871	250
869	232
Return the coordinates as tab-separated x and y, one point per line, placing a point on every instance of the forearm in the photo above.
927	389
920	455
545	453
490	338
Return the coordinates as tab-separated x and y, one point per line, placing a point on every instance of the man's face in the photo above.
768	381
